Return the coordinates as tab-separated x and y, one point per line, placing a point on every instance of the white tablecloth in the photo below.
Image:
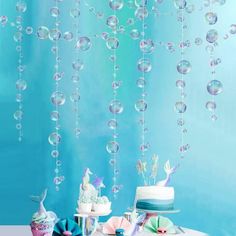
25	231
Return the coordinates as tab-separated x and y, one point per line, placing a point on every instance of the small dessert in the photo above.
42	221
90	199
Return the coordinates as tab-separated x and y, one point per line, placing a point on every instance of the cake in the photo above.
155	198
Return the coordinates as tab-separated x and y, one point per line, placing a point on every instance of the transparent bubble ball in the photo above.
211	106
184	67
134	34
54	139
21	6
112	21
83	43
212	36
180	107
180	4
141	105
112	124
147	45
54	34
215	87
21	84
58	98
116	4
112	43
43	32
18	115
55	115
140	3
144	65
116	107
78	65
112	147
211	18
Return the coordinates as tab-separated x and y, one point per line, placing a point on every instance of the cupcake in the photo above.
102	205
43	221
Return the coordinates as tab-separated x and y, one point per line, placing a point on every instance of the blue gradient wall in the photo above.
205	184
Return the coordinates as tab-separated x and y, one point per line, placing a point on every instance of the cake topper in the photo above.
40	199
169	171
86	178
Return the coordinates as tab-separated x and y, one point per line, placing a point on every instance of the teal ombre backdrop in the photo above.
205	182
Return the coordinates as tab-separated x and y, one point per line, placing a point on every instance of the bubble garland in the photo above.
144	66
183	68
214	86
82	44
115	106
21	84
58	98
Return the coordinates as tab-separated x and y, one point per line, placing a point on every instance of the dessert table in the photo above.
25	231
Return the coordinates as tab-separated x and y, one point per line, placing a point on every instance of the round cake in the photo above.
155	198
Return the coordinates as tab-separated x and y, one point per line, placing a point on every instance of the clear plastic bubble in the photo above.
141	13
55	153
116	107
184	148
112	21
75	12
75	78
18	36
75	97
43	32
134	34
184	67
68	36
54	34
116	4
141	82
57	180
180	84
141	105
21	84
210	106
112	43
19	97
144	147
78	65
58	76
233	29
21	6
54	11
211	18
144	65
55	115
180	122
83	43
116	84
209	49
180	107
198	41
147	46
140	3
29	30
180	4
19	126
58	98
112	124
18	115
77	132
214	117
214	87
54	139
212	36
112	147
3	20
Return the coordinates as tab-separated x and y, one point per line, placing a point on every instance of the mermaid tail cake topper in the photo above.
40	199
169	171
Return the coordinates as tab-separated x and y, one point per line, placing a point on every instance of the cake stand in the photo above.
88	221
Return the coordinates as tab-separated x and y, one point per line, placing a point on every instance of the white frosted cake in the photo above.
155	198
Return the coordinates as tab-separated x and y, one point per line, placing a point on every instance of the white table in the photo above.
25	231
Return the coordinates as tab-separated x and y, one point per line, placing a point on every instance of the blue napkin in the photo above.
67	227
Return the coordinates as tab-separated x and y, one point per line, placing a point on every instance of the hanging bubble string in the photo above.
57	97
82	44
115	106
183	68
77	65
21	84
144	66
214	86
